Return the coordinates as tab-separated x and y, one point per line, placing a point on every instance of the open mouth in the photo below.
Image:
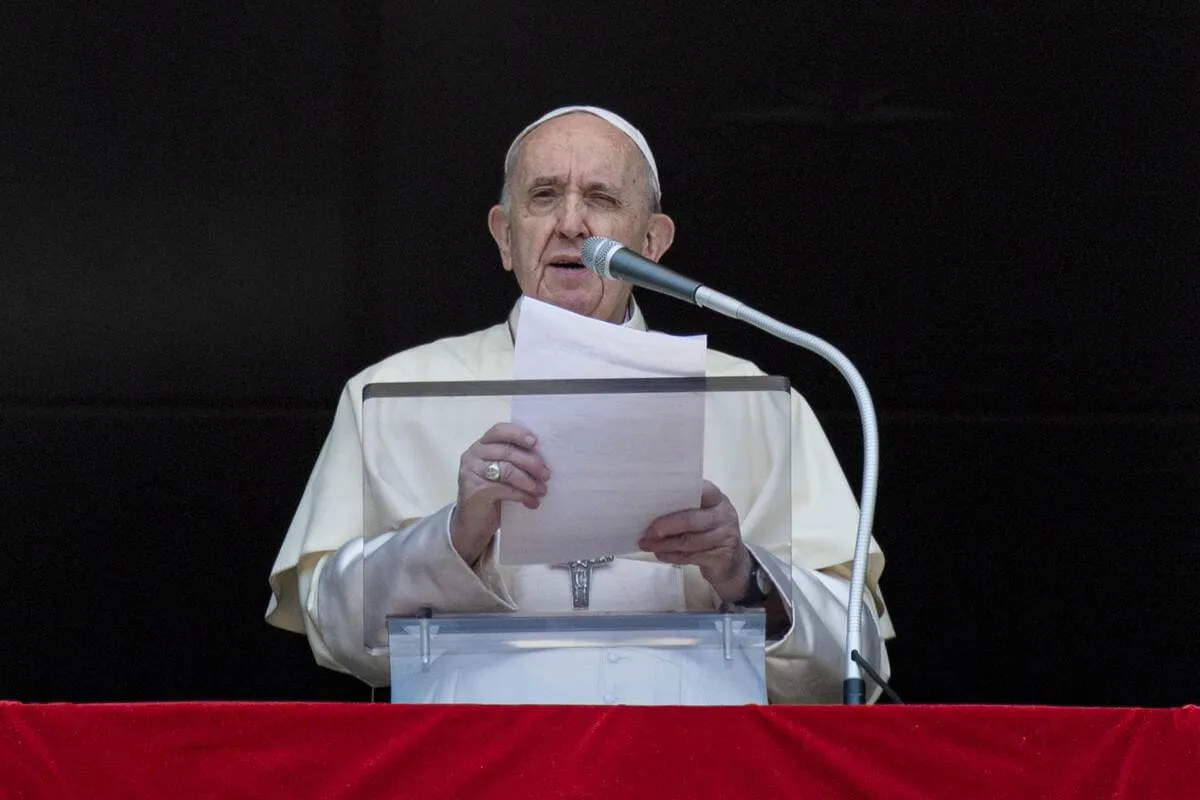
567	263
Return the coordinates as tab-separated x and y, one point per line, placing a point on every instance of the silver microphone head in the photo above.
598	252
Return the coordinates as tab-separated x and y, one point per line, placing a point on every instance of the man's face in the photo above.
576	176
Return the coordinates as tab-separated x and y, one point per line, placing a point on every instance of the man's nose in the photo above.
572	218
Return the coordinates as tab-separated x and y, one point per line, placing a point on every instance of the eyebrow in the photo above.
545	180
557	181
601	186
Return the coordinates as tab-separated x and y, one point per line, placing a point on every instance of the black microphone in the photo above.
611	259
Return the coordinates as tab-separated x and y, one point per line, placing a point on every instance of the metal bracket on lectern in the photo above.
424	614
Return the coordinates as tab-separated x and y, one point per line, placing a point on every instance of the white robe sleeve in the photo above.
396	573
807	664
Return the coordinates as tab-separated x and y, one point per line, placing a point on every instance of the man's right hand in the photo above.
523	476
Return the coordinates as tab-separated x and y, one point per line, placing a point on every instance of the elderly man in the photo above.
577	172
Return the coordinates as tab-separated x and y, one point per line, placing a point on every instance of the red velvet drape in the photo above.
265	750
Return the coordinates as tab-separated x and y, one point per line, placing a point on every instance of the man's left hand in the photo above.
708	537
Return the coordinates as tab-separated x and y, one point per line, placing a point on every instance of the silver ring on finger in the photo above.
492	471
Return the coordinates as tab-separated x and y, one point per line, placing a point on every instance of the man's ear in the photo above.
498	225
659	235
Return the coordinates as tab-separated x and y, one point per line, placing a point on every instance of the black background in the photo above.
211	215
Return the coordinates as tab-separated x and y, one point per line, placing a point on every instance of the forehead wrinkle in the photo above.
547	180
577	143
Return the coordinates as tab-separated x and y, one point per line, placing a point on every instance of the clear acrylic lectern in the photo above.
510	628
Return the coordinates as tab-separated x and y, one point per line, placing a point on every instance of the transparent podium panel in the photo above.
583	658
621	454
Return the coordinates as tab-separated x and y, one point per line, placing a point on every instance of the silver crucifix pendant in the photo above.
581	579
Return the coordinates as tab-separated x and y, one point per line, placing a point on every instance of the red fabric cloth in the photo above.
266	750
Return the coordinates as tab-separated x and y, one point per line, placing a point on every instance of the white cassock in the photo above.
318	577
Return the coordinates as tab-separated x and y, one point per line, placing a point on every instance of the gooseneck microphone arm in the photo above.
853	687
611	259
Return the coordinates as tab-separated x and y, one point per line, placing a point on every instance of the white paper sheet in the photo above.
617	461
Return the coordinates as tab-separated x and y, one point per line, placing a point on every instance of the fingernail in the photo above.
546	475
529	440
